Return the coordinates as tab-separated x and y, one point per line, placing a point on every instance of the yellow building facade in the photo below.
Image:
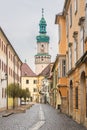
29	80
75	15
59	67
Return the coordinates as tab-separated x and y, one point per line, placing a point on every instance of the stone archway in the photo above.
71	99
83	97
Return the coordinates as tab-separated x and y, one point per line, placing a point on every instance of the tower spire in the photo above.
42	58
42	12
42	24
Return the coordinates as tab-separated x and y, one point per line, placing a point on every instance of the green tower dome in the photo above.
42	25
42	30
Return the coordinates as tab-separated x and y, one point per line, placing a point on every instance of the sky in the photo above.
20	19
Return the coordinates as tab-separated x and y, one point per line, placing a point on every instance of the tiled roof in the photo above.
46	71
26	71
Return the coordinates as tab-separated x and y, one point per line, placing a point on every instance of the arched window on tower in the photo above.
42	48
43	28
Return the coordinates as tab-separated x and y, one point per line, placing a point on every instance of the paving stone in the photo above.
30	119
58	121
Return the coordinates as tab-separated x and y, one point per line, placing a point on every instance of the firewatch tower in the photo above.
42	58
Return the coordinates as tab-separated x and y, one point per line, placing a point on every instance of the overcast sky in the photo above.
19	20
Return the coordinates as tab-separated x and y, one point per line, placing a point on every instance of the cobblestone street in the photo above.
39	117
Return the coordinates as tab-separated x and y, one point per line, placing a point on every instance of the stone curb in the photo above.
7	114
16	111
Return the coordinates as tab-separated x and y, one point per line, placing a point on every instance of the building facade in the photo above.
10	71
75	20
3	72
44	86
42	58
59	68
29	80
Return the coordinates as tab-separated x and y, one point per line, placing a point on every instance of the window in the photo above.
9	70
75	36
63	68
76	97
5	92
34	90
67	26
11	57
81	41
75	51
0	42
4	48
70	58
13	74
75	5
59	33
67	62
27	81
9	54
70	15
43	28
0	64
34	81
42	59
4	68
2	45
59	70
2	92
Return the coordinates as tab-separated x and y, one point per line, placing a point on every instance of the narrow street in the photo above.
39	117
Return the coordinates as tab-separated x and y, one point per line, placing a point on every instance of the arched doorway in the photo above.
83	97
71	99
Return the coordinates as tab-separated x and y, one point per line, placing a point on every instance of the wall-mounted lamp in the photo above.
4	78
